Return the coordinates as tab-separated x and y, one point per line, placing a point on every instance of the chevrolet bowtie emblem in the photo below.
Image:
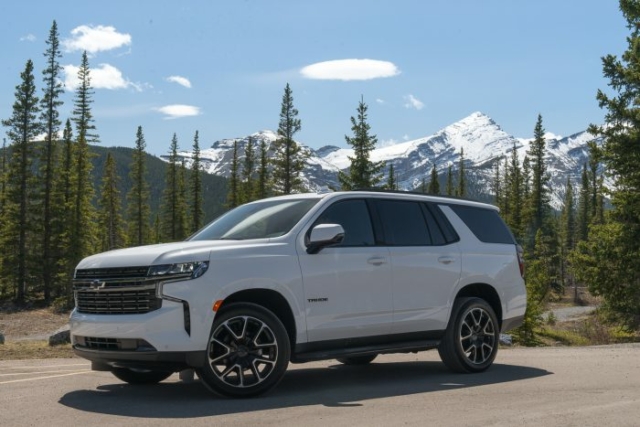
97	285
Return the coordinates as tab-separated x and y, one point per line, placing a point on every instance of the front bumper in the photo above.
164	361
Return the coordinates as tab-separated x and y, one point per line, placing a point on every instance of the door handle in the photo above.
446	260
377	260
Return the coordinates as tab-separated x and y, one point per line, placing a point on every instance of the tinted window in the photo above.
353	216
486	224
403	223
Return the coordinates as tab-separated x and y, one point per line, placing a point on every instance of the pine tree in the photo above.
584	210
16	238
594	164
449	181
182	214
248	167
567	230
539	276
514	186
111	231
233	198
608	261
138	211
62	205
157	230
527	213
434	184
496	186
197	210
3	171
363	173
288	161
4	286
462	181
539	199
423	188
391	179
83	232
171	197
261	190
50	118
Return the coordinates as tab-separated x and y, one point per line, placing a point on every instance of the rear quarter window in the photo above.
485	224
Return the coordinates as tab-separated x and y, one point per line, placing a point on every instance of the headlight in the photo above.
191	270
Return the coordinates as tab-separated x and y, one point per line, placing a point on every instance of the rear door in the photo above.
424	266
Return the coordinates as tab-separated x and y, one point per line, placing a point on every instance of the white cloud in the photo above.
405	137
28	38
413	102
176	111
105	76
182	81
350	69
95	39
380	101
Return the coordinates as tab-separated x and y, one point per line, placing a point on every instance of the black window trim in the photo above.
448	231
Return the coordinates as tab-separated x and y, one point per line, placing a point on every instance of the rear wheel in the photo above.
248	352
140	376
470	343
357	360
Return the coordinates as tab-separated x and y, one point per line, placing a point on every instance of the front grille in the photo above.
111	273
117	301
120	290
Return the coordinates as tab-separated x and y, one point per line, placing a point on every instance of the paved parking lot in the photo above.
589	386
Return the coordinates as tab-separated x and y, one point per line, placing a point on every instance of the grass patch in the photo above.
564	337
18	350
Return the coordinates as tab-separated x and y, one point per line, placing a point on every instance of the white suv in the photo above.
346	276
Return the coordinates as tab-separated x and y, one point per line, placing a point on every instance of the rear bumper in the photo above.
511	323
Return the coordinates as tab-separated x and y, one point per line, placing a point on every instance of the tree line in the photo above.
49	215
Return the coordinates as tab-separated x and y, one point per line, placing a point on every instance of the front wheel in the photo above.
470	343
248	352
140	376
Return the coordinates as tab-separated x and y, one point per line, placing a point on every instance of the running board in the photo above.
400	347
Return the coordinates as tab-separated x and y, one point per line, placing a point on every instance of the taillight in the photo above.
520	253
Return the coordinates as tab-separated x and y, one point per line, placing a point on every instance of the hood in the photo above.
164	253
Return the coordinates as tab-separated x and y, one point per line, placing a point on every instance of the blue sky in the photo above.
220	67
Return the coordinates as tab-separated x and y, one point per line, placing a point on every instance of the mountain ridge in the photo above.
483	140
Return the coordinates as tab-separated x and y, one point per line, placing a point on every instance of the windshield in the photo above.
257	220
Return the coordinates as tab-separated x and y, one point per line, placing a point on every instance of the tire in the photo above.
140	376
470	343
248	352
357	360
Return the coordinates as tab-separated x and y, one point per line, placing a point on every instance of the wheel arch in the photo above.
272	301
485	292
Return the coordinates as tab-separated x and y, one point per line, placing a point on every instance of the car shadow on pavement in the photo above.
336	386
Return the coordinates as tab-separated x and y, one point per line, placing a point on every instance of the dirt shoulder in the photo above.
30	324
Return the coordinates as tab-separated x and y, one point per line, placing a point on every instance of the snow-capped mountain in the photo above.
484	143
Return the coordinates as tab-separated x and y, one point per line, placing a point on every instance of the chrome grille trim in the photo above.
119	293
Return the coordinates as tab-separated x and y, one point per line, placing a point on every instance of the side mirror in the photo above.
323	235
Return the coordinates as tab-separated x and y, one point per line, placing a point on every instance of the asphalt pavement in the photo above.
578	386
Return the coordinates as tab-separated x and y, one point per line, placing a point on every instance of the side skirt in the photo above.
403	343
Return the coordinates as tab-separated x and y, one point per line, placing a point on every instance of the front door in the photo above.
348	286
